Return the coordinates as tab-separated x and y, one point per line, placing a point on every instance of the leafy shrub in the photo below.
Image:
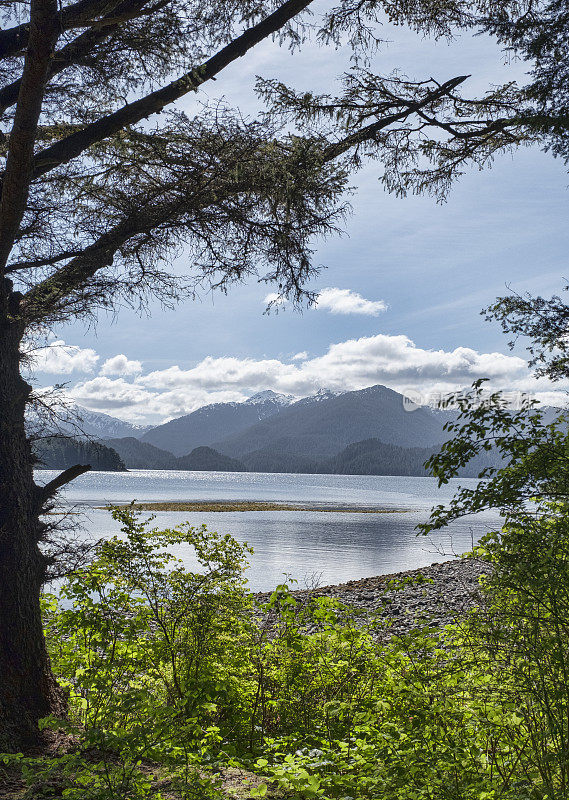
174	674
148	653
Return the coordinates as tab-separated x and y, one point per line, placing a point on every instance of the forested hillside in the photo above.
60	452
141	455
372	457
204	458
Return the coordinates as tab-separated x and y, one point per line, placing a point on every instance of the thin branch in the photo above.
18	266
43	298
369	132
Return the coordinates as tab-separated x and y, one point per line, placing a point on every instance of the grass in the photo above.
244	505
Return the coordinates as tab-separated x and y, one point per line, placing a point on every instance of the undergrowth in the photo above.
175	677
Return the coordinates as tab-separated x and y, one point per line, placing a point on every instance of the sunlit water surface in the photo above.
331	547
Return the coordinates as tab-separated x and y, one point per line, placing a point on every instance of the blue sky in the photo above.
433	267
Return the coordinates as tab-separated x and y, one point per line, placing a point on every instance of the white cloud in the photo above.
558	399
275	299
120	365
106	394
391	360
345	301
337	301
134	403
61	359
394	361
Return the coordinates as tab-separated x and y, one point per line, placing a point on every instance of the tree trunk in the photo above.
28	690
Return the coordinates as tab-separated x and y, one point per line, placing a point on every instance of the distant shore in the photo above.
246	505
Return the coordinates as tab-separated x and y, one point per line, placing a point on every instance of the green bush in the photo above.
173	675
150	654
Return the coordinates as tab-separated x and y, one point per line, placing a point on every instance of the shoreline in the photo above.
454	590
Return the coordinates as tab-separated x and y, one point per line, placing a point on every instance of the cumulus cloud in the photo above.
134	403
106	394
62	359
120	365
394	361
336	301
345	301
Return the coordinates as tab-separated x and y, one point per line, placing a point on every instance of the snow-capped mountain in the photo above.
95	423
216	421
269	395
80	422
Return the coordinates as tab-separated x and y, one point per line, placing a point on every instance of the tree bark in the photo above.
28	690
16	179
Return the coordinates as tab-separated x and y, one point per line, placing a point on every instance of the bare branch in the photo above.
369	132
65	477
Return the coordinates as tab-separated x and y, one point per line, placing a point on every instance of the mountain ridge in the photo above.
319	430
182	435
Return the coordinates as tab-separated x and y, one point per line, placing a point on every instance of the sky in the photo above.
400	292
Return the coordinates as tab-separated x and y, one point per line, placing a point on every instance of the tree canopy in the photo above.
105	180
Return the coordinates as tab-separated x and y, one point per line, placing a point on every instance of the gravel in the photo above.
451	588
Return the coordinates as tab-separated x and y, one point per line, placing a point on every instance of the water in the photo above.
331	547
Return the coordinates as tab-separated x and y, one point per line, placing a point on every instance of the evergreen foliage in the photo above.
205	458
60	452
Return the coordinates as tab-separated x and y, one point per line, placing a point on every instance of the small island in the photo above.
246	505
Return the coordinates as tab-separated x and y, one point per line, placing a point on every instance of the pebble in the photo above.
453	587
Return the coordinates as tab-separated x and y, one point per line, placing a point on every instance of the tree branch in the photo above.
42	262
16	179
369	131
14	40
68	475
81	46
72	146
45	298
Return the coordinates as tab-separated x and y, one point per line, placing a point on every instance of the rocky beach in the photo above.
437	595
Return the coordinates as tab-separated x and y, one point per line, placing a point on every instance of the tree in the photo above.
104	180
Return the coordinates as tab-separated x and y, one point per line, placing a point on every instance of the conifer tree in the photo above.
104	180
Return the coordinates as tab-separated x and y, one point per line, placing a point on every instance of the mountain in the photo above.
141	455
103	426
318	427
372	457
204	458
79	422
269	395
60	452
210	423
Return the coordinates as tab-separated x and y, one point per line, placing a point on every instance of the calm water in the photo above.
331	547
